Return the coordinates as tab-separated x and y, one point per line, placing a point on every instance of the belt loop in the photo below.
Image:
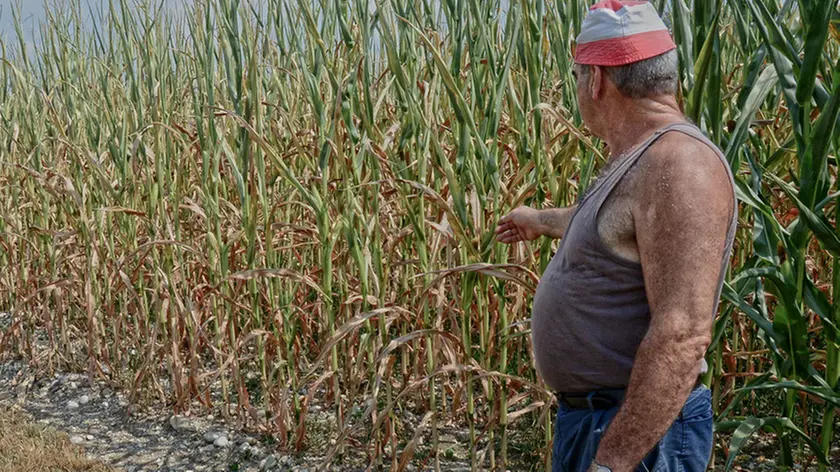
589	401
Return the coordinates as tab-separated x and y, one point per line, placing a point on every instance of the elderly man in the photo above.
623	314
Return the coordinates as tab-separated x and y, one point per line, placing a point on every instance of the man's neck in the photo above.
642	119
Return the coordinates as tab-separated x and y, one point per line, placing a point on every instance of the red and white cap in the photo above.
619	32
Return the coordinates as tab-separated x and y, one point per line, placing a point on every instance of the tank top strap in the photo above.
614	176
696	133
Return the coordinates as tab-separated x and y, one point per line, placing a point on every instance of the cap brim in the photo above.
626	50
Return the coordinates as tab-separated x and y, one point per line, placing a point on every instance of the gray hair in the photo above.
652	77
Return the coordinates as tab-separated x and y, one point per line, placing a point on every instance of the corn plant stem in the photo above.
832	368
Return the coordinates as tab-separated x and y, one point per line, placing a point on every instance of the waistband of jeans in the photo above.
599	399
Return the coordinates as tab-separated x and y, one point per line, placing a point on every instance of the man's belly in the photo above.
586	329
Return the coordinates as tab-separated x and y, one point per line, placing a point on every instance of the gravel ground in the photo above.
101	421
134	439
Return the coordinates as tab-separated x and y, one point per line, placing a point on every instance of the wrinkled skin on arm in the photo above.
681	213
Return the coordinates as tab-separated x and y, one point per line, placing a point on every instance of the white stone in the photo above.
72	405
179	423
211	436
77	440
84	399
269	462
221	441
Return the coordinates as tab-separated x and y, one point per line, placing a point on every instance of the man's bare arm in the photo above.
555	221
527	224
681	220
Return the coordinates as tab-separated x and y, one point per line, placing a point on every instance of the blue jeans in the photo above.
686	447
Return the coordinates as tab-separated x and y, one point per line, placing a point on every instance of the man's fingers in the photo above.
503	226
510	236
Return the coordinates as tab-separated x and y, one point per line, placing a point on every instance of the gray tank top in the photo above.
590	311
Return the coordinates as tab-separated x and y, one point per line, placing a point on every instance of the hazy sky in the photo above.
32	11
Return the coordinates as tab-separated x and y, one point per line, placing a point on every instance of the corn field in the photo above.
268	205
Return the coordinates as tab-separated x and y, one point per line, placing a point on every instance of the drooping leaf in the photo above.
816	223
824	393
748	426
732	296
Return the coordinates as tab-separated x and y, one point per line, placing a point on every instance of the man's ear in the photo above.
596	84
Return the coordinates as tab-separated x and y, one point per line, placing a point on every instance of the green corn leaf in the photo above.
701	71
765	231
684	39
772	30
816	27
458	100
748	426
817	224
755	96
502	80
814	167
341	9
748	196
753	72
818	302
454	222
824	393
790	323
762	322
740	394
744	431
455	190
786	289
782	56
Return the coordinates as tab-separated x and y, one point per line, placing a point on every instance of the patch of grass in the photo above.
28	446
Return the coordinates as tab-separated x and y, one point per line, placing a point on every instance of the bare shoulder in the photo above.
679	168
681	186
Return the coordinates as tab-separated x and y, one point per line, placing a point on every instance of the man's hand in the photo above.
528	224
522	224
